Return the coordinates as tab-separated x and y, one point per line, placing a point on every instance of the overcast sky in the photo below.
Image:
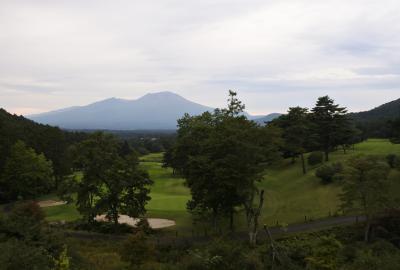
276	54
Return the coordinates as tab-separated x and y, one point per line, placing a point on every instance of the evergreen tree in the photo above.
328	119
296	132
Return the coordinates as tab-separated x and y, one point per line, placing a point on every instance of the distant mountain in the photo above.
152	111
386	111
267	118
157	111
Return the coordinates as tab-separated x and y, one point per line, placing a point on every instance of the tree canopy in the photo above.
221	156
26	174
111	184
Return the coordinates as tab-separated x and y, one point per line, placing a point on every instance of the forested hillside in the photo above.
51	141
376	122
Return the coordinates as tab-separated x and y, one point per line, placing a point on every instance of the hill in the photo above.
387	111
51	141
375	122
267	118
157	111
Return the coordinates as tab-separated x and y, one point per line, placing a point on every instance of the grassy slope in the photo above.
290	195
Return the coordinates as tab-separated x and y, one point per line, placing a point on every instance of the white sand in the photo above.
49	203
155	223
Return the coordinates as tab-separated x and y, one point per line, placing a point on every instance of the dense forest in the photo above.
378	121
222	157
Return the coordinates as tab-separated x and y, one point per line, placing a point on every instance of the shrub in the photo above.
393	161
137	249
103	227
315	158
143	226
329	173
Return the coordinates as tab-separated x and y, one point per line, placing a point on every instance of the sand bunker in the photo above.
49	203
155	223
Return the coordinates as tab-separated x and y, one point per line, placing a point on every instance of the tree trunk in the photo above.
367	230
272	247
115	219
231	220
252	214
253	238
215	221
303	164
326	155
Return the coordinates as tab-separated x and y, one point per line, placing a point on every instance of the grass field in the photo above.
290	195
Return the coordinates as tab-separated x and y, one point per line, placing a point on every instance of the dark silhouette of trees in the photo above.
330	124
220	154
26	174
111	184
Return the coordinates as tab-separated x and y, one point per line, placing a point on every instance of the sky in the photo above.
275	54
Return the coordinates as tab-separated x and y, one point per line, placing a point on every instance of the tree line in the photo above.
222	155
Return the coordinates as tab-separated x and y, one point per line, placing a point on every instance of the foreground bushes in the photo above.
329	173
315	158
27	243
393	161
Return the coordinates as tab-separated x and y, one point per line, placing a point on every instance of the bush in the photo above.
143	226
103	227
329	173
137	250
315	158
393	161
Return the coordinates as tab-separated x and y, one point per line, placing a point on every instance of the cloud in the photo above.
275	53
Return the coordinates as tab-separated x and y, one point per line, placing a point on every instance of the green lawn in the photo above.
290	195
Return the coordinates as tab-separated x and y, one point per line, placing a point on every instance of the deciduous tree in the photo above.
365	188
26	174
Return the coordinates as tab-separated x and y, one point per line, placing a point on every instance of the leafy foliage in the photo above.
328	173
363	177
26	174
296	133
315	158
110	183
51	141
137	249
220	154
26	243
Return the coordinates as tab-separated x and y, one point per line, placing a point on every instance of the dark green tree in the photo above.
365	188
329	121
26	174
111	184
125	149
26	242
296	132
395	130
220	156
125	189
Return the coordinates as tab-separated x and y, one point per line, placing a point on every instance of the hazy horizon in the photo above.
275	54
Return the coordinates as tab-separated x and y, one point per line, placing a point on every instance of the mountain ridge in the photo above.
152	111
